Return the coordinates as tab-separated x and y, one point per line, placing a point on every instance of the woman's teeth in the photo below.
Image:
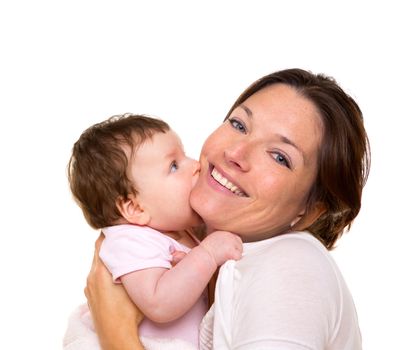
227	184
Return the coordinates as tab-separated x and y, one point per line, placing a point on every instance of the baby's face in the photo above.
164	177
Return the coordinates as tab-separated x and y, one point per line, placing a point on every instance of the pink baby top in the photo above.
128	248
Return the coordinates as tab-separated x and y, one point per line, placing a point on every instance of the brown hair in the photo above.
97	170
344	155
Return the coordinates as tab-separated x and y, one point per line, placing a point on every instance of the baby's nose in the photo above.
196	167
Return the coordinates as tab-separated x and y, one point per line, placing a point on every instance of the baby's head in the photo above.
132	169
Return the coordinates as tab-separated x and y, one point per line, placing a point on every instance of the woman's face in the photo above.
259	165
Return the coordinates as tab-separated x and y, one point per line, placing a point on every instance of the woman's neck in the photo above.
183	237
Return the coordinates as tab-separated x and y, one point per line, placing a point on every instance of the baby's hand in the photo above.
223	246
177	256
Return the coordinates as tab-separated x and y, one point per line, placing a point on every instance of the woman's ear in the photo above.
132	210
306	219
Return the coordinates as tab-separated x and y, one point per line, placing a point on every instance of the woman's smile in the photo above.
224	183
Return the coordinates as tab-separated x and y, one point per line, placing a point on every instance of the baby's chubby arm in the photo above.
164	295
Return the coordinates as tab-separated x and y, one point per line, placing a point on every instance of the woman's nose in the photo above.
237	155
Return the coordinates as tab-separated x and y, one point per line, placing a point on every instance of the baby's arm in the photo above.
164	295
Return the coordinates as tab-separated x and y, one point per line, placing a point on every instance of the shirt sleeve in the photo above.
126	251
288	298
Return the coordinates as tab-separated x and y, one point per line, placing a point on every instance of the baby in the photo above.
132	179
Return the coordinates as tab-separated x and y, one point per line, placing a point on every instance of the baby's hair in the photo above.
97	170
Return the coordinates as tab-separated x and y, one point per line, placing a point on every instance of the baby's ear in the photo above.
131	209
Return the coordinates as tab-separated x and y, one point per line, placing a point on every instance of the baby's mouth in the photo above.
227	184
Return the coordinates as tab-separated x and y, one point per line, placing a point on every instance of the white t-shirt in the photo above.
285	293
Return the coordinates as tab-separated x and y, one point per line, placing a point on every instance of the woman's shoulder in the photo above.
295	267
287	275
300	242
293	281
291	255
290	244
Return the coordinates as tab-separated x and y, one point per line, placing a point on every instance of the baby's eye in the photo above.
281	159
174	166
236	124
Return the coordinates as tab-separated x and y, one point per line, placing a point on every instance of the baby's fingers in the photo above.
177	256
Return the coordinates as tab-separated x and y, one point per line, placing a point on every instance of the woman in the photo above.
285	172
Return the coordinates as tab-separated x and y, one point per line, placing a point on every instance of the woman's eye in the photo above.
281	159
237	125
174	166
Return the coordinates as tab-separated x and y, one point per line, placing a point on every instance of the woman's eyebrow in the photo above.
247	110
287	141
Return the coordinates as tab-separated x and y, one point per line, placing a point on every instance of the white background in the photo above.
67	64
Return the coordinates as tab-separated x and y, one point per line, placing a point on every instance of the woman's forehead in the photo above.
280	98
284	114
